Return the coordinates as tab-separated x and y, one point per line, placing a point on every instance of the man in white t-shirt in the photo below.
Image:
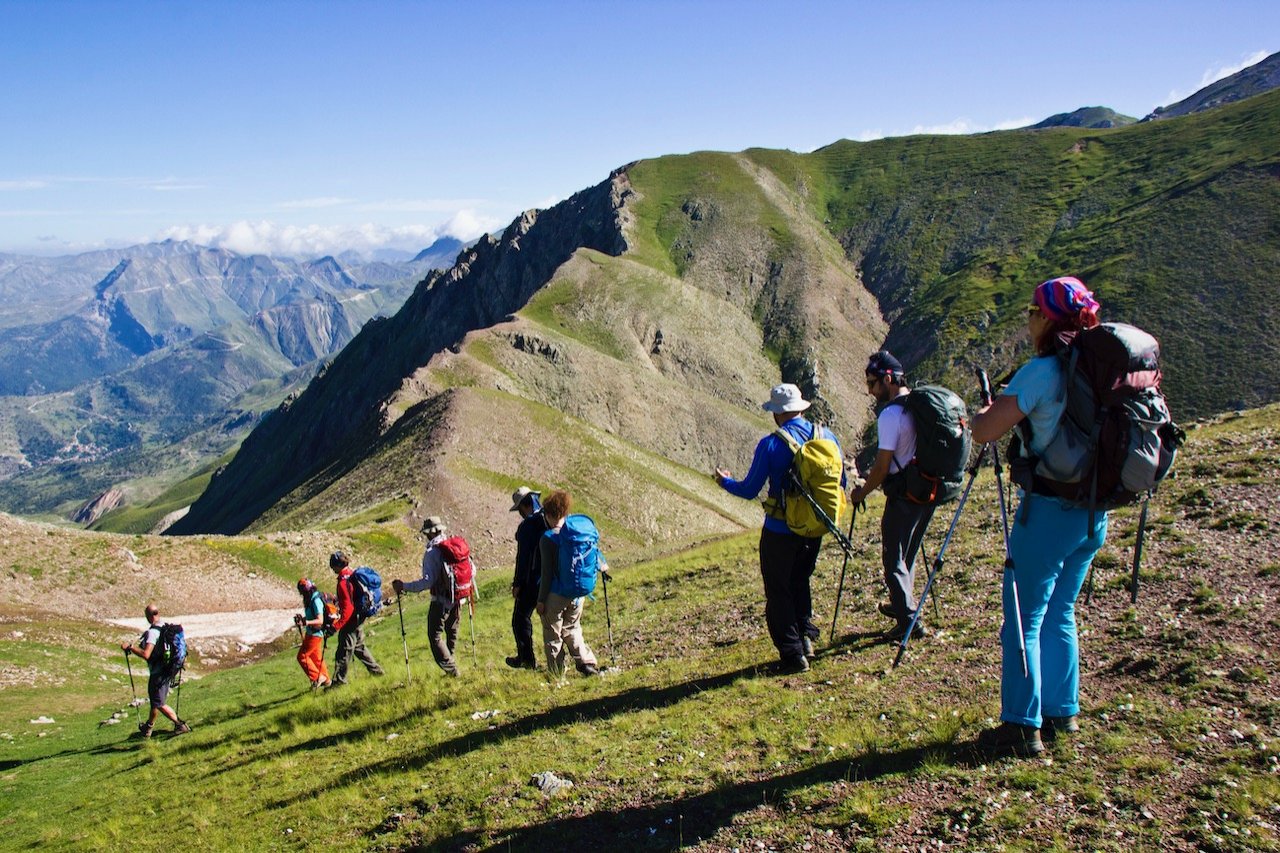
903	525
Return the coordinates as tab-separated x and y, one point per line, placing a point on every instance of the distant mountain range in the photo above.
113	351
619	344
1254	80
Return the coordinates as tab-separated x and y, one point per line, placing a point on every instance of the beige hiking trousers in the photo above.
562	632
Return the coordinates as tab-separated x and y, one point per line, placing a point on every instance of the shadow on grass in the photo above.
637	698
690	820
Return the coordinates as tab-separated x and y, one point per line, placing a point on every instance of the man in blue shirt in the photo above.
787	560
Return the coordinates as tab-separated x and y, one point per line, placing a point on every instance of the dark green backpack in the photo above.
943	443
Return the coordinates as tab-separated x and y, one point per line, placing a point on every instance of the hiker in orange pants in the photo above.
311	655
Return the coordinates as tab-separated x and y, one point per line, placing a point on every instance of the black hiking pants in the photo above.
787	562
522	623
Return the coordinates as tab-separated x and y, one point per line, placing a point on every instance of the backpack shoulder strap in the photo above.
788	438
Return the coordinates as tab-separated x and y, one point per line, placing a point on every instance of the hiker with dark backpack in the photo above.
528	574
354	606
164	648
922	448
571	559
791	535
449	575
312	622
1053	539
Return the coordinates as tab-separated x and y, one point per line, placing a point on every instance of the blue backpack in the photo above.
366	591
579	557
172	648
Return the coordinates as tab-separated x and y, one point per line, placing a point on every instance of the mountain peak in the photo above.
1089	117
1254	80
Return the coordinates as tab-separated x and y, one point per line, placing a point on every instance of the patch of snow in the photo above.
251	627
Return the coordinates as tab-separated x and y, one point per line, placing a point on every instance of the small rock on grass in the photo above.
549	783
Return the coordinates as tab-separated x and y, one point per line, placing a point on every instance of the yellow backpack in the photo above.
815	490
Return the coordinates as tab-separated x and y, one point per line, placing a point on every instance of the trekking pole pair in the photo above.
840	589
984	388
938	560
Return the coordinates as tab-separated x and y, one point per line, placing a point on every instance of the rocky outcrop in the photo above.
345	408
92	510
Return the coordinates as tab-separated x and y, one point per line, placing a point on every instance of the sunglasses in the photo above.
872	380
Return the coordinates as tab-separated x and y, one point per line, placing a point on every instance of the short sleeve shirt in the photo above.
896	431
1038	389
151	637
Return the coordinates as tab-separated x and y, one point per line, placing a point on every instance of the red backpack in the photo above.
455	582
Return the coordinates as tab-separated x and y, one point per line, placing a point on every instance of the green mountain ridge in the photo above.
692	283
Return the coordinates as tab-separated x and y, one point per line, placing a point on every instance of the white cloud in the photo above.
955	127
1213	75
313	203
14	186
271	238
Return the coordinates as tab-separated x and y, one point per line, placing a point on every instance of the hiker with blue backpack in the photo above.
571	559
791	535
355	602
164	649
448	574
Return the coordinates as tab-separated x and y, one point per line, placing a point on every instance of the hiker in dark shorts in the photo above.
528	574
787	560
443	614
159	678
349	625
903	525
1051	542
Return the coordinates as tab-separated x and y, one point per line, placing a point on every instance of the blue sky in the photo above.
312	127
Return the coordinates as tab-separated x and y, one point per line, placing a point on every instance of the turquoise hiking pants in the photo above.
1052	550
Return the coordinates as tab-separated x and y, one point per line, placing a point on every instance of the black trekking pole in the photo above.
132	688
177	702
937	561
1137	553
984	385
471	620
845	542
840	589
608	620
404	638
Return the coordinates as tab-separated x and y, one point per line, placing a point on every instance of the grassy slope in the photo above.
691	743
1173	224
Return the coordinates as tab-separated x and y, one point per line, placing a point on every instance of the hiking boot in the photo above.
1054	726
181	728
588	669
920	632
144	729
793	666
1011	739
520	663
808	648
886	609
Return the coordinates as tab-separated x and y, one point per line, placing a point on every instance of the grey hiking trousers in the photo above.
351	642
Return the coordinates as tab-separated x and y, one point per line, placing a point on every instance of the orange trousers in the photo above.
311	658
